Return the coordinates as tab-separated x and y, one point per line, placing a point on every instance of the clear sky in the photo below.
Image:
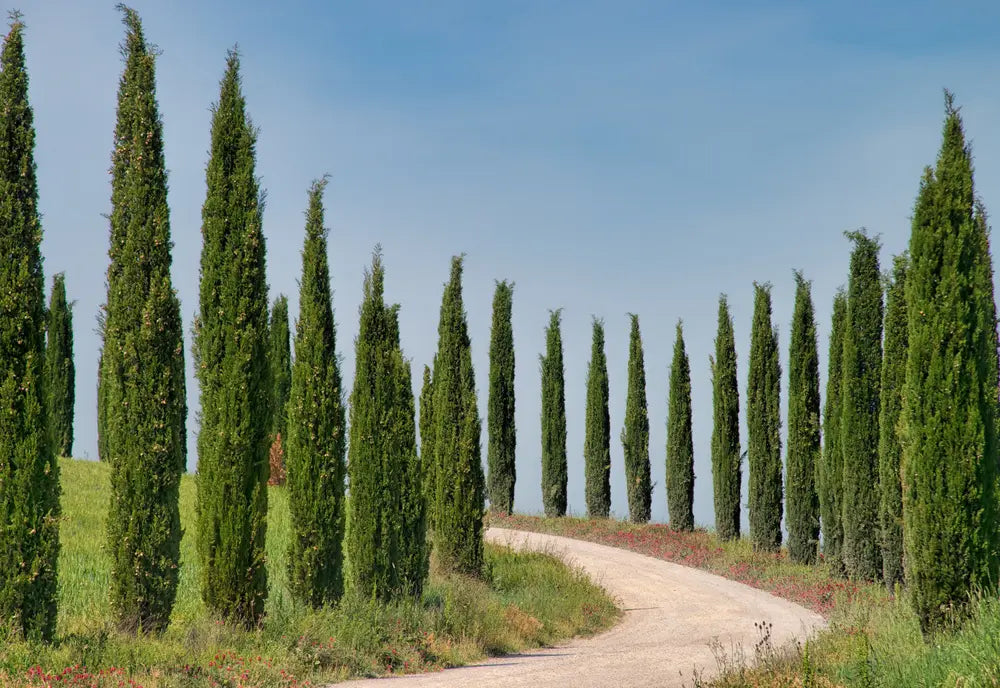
608	157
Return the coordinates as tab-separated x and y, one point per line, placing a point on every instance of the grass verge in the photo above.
524	600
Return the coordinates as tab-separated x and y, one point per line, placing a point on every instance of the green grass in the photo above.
524	600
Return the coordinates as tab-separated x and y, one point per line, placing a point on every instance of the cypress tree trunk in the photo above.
554	471
60	373
29	490
230	339
891	406
143	369
859	424
385	538
726	457
316	429
458	472
803	429
950	399
597	445
680	446
764	427
635	434
830	473
502	434
280	357
427	446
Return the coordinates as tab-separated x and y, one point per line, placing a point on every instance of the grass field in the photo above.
874	639
524	600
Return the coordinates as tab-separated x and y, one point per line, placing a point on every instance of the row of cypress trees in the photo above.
904	487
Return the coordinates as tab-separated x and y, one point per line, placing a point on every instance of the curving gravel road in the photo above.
672	615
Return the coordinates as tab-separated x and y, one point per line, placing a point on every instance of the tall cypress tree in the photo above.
554	471
891	406
680	446
803	429
764	426
427	445
316	428
950	399
830	472
726	457
143	374
862	378
60	373
29	489
502	434
635	433
230	340
280	357
458	471
383	546
597	444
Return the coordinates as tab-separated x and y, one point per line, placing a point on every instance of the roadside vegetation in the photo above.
523	600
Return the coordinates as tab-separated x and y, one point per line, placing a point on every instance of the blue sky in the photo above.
607	157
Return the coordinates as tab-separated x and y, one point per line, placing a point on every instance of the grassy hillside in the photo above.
525	600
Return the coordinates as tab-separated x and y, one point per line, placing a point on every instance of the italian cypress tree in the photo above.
316	428
554	471
280	357
803	429
680	446
890	407
143	374
830	472
726	457
764	427
385	540
458	473
29	489
60	373
230	340
597	444
502	435
635	434
427	445
859	423
950	399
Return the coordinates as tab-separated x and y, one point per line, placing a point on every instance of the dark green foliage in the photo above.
597	444
459	484
891	406
29	487
142	372
60	373
635	433
280	357
502	434
803	429
726	457
950	399
830	472
764	427
554	470
231	346
427	445
680	446
862	378
317	433
385	538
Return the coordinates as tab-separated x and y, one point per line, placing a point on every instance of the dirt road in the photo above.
672	615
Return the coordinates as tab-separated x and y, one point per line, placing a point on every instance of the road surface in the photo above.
673	615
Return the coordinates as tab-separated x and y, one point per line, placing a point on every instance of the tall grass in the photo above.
525	600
